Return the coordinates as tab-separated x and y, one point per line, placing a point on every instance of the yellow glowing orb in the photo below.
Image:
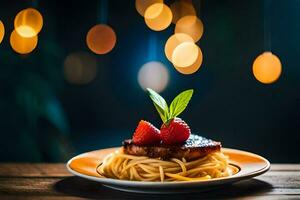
267	68
185	54
142	5
190	25
174	41
80	68
153	75
21	44
101	39
192	68
158	16
182	8
28	22
2	31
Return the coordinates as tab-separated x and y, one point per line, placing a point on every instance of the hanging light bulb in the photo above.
28	22
153	75
142	5
174	41
190	25
2	31
181	9
22	45
267	68
158	16
101	39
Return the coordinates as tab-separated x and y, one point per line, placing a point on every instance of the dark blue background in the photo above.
45	118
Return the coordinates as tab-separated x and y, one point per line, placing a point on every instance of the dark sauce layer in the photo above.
195	147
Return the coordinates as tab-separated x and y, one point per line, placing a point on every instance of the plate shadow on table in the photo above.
76	186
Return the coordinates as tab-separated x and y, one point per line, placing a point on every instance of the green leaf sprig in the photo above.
177	106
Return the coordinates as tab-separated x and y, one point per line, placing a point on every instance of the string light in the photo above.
101	39
2	31
267	68
158	16
142	5
80	68
28	22
153	75
174	41
180	9
22	45
190	25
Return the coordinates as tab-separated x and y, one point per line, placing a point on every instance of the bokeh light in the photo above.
192	68
101	39
185	54
182	8
267	68
174	41
142	5
80	68
2	31
21	44
153	75
190	25
28	22
158	16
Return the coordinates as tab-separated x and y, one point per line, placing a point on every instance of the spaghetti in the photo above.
122	166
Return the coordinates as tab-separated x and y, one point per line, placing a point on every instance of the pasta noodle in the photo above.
122	166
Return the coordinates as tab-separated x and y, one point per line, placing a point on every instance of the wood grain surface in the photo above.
53	181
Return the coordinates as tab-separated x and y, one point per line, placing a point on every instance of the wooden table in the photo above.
52	181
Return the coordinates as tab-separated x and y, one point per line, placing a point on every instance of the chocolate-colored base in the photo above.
195	147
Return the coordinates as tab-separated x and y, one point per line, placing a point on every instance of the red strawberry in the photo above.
146	134
176	132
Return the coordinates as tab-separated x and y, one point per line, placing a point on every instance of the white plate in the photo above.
251	165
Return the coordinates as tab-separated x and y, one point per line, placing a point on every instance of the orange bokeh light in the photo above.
185	54
101	39
21	44
192	68
80	68
142	5
174	41
267	68
158	16
2	31
182	8
28	22
190	25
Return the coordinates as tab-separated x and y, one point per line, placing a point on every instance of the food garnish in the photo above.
173	130
176	131
146	134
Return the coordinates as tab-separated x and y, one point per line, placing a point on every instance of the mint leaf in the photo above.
160	104
163	115
180	102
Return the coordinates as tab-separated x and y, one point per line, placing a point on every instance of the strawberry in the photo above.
146	134
177	131
174	130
